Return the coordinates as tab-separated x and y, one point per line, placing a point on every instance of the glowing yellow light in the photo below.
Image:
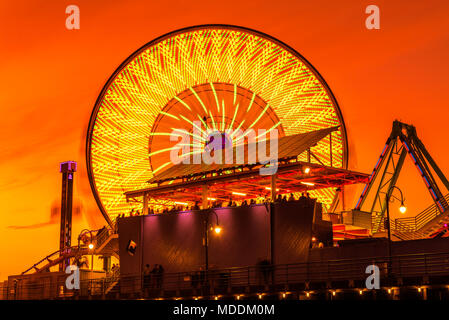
181	203
239	194
308	183
389	291
212	199
170	82
402	209
268	188
334	293
91	246
361	292
419	289
260	296
307	170
217	230
307	294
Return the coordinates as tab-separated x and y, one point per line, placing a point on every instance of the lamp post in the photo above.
402	209
217	230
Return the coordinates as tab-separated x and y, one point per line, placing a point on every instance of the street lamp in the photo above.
90	246
217	230
402	209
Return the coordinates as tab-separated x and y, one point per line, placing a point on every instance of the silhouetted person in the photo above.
202	276
279	198
195	279
159	276
309	200
196	206
252	202
292	197
146	278
284	199
154	276
244	204
265	268
303	200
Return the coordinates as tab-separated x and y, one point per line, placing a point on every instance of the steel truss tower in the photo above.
67	169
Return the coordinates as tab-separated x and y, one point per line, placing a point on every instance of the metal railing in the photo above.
410	228
420	220
243	279
103	235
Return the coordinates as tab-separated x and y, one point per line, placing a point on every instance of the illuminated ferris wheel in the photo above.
225	77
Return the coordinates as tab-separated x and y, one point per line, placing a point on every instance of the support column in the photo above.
273	186
204	196
68	170
145	204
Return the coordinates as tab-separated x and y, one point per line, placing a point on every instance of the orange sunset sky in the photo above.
50	78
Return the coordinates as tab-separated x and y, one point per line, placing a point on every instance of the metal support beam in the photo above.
204	196
145	204
273	186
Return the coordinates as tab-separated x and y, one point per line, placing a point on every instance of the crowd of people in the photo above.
304	199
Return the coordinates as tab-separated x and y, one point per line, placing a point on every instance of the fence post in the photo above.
425	264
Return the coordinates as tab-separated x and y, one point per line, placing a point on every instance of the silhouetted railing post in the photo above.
425	265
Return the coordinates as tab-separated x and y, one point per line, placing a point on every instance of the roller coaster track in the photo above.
100	240
71	253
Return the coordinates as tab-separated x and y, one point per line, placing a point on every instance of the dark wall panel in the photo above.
244	239
292	223
174	241
130	265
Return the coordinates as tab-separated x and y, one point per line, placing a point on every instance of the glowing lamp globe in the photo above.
217	230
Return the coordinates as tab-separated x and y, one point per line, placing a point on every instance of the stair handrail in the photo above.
421	219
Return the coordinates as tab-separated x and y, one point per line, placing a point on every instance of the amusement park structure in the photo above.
156	212
404	140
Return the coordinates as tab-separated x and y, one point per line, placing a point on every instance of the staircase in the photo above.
422	225
112	285
106	242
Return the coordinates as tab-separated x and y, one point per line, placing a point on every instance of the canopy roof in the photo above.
248	183
288	147
184	182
